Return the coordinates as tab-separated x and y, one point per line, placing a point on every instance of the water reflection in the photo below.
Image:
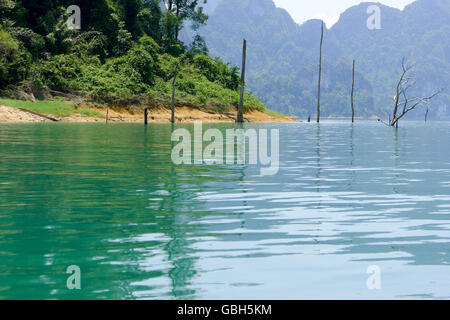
109	199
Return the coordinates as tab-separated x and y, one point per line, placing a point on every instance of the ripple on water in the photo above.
109	199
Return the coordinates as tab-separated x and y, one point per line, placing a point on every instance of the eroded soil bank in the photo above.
156	115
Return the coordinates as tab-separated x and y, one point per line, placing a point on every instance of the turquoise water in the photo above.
109	200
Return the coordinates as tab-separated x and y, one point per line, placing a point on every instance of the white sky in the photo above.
327	10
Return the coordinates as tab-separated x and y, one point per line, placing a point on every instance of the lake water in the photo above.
109	200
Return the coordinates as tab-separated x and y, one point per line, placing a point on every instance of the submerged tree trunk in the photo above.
173	93
320	76
240	115
353	93
402	102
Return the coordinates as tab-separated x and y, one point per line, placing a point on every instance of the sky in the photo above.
327	10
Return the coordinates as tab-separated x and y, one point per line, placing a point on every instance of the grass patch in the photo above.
56	108
275	113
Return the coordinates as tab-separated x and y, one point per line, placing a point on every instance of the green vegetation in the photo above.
57	108
125	54
275	113
284	57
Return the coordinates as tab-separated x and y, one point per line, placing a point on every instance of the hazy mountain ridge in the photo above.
283	56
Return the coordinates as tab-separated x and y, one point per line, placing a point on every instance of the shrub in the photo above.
186	85
217	71
124	40
173	47
58	72
32	41
141	61
14	60
206	66
150	46
167	66
92	43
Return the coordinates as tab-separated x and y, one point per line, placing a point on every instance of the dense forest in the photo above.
124	53
283	55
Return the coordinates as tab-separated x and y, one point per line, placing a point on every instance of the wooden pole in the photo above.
107	115
146	116
240	115
353	92
173	93
172	118
320	76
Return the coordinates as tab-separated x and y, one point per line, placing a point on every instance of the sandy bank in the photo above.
11	114
156	115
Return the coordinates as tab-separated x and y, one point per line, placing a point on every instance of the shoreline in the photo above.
184	114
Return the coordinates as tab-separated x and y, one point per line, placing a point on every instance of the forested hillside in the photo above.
126	53
283	56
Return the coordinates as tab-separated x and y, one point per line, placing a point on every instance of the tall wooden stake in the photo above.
240	115
320	77
146	116
353	92
173	93
107	115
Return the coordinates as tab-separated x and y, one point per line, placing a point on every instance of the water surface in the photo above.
110	200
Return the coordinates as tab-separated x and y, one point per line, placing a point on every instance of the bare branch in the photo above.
401	99
385	123
419	102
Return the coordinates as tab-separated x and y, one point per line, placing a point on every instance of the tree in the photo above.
150	18
6	7
353	92
320	76
131	9
174	80
240	114
183	10
14	60
124	40
198	46
40	15
402	102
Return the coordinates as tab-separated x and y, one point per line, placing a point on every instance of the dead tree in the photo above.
320	77
240	114
173	92
353	93
402	102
